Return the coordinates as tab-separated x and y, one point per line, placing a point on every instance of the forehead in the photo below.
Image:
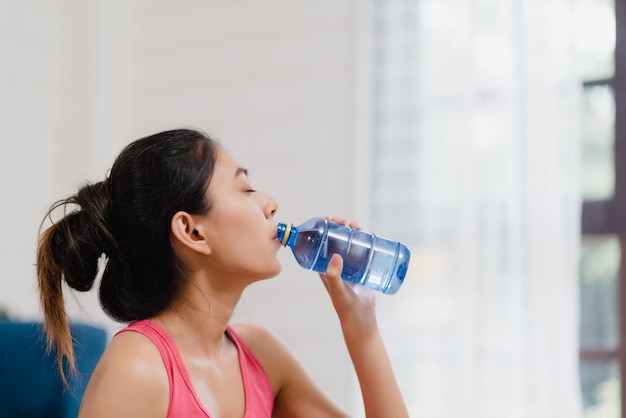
225	160
226	167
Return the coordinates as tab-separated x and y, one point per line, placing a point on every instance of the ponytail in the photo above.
127	218
69	251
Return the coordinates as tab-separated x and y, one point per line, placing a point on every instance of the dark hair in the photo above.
127	219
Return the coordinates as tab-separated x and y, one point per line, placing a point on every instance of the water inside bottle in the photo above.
357	257
304	249
382	264
368	260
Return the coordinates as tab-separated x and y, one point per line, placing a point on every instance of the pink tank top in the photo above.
183	399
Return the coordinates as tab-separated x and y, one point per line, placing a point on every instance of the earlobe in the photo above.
188	233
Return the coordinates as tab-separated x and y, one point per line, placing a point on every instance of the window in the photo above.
600	26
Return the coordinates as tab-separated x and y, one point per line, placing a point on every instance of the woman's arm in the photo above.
355	306
296	395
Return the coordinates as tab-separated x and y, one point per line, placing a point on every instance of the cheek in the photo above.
243	248
246	259
240	239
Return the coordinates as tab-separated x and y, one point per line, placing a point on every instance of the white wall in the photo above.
274	80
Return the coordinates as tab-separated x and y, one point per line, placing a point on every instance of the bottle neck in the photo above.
287	234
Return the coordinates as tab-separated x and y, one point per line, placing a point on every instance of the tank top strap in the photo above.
183	401
257	386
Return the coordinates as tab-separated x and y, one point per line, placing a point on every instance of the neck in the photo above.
197	320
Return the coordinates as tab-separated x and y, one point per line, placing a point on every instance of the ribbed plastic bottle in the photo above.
368	259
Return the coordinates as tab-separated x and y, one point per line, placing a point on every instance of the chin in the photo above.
270	273
276	271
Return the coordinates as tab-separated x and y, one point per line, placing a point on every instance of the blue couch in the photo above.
30	384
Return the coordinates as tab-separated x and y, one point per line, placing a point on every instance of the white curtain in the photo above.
473	161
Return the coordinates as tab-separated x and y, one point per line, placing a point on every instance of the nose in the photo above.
270	207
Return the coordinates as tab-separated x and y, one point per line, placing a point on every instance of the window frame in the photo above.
609	216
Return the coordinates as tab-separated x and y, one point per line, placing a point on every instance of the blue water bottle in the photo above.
368	260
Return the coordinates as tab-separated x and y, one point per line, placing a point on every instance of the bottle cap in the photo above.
284	231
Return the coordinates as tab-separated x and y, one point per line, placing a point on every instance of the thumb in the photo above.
335	266
333	274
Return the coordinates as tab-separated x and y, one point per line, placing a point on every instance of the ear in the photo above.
189	233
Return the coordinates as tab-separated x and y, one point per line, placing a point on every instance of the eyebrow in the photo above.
241	170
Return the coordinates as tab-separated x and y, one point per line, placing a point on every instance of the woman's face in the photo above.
240	224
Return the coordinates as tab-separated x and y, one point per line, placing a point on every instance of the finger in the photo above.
333	274
324	280
343	221
336	219
333	270
335	265
355	225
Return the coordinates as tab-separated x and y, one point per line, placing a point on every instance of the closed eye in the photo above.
250	191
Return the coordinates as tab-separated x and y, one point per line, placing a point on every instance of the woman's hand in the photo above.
355	305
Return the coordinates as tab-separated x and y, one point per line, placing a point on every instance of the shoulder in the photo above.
129	380
296	395
266	346
135	353
255	336
271	353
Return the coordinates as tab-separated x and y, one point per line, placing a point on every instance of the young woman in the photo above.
184	232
